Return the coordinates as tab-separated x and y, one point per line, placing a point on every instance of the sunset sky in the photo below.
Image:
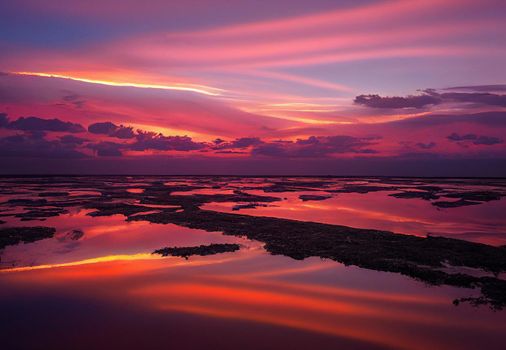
299	87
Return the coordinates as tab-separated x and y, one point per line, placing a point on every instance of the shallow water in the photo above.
484	223
105	289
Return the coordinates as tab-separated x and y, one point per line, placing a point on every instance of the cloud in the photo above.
457	137
484	98
316	147
107	149
123	132
231	152
480	88
488	140
486	119
475	139
104	128
153	141
74	99
71	139
241	143
39	124
3	120
412	101
430	97
111	129
34	145
426	145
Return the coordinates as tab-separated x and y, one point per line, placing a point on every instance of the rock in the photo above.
415	194
248	206
313	197
53	194
15	235
201	250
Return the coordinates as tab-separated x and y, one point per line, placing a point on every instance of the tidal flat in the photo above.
262	262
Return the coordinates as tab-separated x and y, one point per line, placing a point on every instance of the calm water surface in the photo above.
103	288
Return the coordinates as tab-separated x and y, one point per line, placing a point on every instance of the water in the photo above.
104	288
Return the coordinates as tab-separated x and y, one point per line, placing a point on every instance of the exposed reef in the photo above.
15	235
421	258
201	250
40	214
53	194
248	206
416	257
415	194
313	197
454	204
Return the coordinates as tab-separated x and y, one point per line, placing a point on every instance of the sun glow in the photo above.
206	90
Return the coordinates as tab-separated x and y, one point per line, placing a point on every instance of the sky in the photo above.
363	87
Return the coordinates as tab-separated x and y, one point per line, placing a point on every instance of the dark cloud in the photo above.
426	145
316	147
488	140
480	88
107	149
241	143
33	145
3	120
231	152
35	123
150	140
484	98
123	132
413	101
271	149
104	128
35	134
430	97
111	129
490	119
74	99
475	139
456	137
71	139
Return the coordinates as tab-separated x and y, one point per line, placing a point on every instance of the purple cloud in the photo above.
412	101
426	145
112	130
475	139
456	137
484	98
104	128
34	145
316	147
107	149
154	141
74	99
480	88
430	97
241	143
488	140
3	120
71	139
39	124
123	132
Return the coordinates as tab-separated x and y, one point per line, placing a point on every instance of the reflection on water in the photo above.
482	223
97	285
104	237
